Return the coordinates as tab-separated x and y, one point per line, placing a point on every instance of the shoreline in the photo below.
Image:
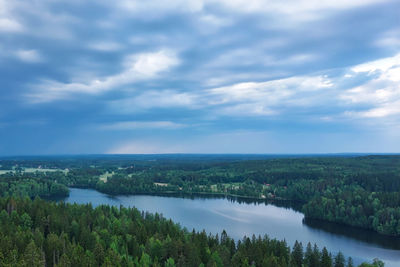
239	198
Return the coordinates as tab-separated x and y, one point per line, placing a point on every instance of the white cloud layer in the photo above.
105	46
29	56
389	39
10	25
145	147
156	99
136	125
241	99
293	6
137	67
381	92
299	10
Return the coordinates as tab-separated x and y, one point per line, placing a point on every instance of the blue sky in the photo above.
228	76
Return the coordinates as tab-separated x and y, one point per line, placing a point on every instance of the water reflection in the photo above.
360	234
287	204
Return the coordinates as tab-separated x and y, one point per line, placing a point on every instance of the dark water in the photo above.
240	218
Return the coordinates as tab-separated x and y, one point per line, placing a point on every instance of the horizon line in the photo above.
200	154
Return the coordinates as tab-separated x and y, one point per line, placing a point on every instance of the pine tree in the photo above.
297	254
339	260
350	262
326	259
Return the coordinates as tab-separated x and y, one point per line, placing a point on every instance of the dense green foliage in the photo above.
42	233
31	185
359	191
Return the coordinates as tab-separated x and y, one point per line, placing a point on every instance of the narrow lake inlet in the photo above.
245	219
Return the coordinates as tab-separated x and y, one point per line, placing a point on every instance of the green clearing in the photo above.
32	170
105	176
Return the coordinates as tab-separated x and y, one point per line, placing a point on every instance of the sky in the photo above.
206	76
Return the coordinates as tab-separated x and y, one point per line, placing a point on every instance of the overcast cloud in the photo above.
199	76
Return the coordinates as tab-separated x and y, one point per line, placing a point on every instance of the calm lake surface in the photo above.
240	219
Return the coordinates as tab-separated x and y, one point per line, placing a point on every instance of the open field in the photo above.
105	176
44	170
32	170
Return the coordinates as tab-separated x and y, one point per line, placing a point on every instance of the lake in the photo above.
241	218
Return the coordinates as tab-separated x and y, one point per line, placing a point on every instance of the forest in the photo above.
44	233
356	190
